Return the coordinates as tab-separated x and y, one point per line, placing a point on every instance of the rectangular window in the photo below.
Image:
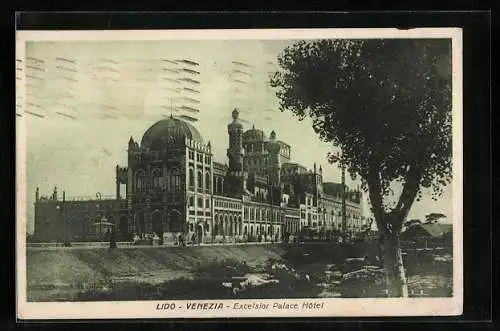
200	203
207	203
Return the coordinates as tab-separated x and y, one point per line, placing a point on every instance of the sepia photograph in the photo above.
239	173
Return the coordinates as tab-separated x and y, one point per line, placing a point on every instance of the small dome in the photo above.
235	114
254	135
235	124
160	133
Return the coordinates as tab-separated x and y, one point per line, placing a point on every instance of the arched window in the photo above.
156	177
175	180
140	180
207	181
200	180
215	185
191	178
231	226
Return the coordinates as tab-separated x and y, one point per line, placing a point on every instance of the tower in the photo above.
235	151
274	168
317	183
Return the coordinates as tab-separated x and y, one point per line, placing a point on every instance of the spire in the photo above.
314	167
209	145
253	126
131	144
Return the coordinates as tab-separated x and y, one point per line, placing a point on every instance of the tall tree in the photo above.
387	105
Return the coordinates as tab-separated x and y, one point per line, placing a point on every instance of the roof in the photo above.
437	229
167	129
332	189
292	165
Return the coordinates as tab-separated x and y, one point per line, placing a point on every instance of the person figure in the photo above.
112	240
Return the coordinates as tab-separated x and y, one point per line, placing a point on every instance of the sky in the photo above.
72	86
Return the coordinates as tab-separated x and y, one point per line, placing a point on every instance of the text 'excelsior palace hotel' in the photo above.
173	186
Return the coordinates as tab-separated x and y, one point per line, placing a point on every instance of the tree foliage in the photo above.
385	103
412	222
433	217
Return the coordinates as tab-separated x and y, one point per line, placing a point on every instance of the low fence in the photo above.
426	244
89	245
80	244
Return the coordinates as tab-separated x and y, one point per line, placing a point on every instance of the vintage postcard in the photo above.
239	173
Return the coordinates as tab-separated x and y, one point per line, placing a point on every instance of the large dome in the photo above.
163	131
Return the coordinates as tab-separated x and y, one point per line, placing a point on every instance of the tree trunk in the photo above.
393	265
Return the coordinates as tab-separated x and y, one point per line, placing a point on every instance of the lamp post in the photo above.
58	208
98	196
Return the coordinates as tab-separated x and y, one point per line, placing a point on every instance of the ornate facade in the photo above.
173	186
